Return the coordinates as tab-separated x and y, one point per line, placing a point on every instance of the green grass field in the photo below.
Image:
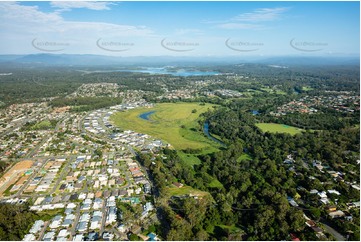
43	125
190	159
307	88
174	123
278	128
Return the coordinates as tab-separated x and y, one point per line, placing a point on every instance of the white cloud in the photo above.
30	20
238	26
188	31
80	4
20	25
247	20
261	15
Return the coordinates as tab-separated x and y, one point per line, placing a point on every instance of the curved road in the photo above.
333	232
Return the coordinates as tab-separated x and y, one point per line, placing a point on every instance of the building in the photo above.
78	237
56	222
82	226
331	208
93	236
336	214
37	226
108	236
112	215
29	237
147	188
49	236
69	219
62	236
98	203
96	220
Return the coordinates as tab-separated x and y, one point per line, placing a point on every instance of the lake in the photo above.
180	72
146	115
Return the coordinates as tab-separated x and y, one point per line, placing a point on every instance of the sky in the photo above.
181	28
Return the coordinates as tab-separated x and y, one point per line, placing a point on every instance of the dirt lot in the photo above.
12	175
61	110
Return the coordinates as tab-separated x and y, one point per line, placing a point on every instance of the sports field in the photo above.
176	123
278	128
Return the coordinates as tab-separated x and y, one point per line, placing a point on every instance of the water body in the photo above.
206	131
254	112
180	72
295	91
146	115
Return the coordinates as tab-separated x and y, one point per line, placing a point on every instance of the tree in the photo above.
15	221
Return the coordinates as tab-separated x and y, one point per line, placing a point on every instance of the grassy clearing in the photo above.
273	91
173	122
307	88
43	125
231	228
244	157
49	214
278	128
215	184
186	190
250	90
189	159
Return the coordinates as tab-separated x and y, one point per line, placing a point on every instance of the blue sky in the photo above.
181	28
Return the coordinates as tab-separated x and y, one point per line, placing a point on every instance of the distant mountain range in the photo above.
100	60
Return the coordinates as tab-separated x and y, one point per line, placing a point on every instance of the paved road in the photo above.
337	235
63	173
42	232
74	225
104	212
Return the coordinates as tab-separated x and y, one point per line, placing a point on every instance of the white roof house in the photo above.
69	219
322	194
29	237
78	237
49	236
82	226
336	214
82	196
112	215
36	226
56	222
334	192
61	238
71	205
95	225
85	217
63	233
98	203
111	201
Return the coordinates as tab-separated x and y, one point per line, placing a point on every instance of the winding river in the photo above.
206	131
